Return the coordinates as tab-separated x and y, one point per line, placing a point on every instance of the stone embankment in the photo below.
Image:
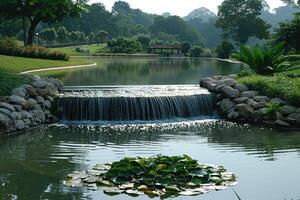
237	102
29	105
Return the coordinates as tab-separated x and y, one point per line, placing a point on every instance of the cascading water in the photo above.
135	103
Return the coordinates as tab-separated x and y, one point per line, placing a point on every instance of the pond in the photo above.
143	71
266	162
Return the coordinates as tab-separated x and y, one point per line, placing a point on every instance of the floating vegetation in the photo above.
155	176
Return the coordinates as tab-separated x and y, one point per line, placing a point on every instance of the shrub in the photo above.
224	50
9	47
124	45
196	51
186	47
207	53
266	61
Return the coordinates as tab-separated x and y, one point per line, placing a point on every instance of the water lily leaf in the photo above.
94	172
189	193
102	167
112	191
104	183
134	192
172	189
151	193
73	183
90	180
142	188
161	166
126	186
92	187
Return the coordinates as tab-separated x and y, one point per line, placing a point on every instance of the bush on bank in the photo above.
9	47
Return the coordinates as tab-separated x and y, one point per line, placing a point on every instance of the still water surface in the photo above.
34	165
143	71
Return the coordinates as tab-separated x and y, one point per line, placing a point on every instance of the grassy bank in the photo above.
71	50
279	85
11	66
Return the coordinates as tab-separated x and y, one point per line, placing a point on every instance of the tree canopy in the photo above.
240	20
36	11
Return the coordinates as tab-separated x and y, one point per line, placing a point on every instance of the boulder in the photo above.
287	110
209	86
5	111
244	110
241	100
58	84
226	104
261	98
233	115
219	88
249	94
241	87
257	115
30	104
4	121
40	115
32	92
18	108
205	81
281	123
40	99
42	92
231	92
20	91
7	106
16	115
228	81
20	125
278	101
51	99
39	83
295	117
16	100
47	104
26	115
279	116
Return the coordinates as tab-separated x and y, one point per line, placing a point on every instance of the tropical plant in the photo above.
225	49
264	61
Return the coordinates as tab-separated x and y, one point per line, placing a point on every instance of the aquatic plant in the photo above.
162	176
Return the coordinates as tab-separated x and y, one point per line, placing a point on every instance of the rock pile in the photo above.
236	102
29	105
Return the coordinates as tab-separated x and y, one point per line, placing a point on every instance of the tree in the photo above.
289	33
37	11
196	51
48	34
240	19
62	35
144	40
224	49
186	47
295	3
101	36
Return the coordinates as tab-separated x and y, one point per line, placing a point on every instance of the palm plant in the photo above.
264	61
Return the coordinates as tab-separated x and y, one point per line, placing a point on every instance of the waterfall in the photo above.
109	105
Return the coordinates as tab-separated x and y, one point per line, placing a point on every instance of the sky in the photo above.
175	7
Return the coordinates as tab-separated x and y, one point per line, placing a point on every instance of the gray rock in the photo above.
279	116
20	91
39	115
58	84
39	83
226	104
51	99
249	94
47	104
278	101
18	108
295	116
232	76
7	106
16	100
257	115
261	98
219	88
5	111
231	92
26	115
233	115
241	87
4	121
27	122
244	110
16	115
40	99
281	123
241	100
30	104
20	125
209	86
42	92
251	102
287	110
220	96
261	104
52	90
205	81
227	81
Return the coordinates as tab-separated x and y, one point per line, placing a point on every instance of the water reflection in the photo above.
33	165
144	71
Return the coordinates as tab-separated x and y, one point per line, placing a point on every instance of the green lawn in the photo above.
11	66
71	51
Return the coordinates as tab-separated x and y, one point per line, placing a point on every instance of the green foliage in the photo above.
289	33
175	26
159	176
48	34
101	36
272	108
240	19
144	40
8	46
62	35
196	51
225	49
9	81
277	86
266	61
124	45
186	47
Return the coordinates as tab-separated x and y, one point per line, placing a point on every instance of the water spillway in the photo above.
130	103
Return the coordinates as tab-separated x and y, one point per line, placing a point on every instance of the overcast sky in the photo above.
175	7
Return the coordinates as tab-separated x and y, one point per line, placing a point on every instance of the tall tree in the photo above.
295	3
240	19
37	11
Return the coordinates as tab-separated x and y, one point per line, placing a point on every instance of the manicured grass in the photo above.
10	66
279	85
19	64
71	51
